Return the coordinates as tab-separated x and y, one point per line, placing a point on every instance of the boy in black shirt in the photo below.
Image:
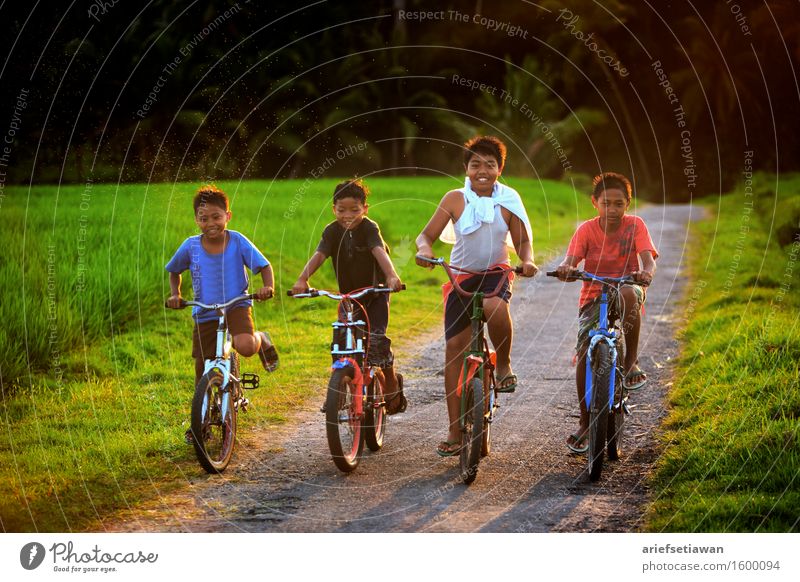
360	259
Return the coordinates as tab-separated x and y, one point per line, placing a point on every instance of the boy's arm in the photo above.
382	257
314	263
174	301
268	284
444	213
645	274
522	244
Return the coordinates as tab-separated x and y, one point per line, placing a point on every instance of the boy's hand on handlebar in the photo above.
566	272
301	286
422	263
529	269
175	302
394	283
643	277
265	293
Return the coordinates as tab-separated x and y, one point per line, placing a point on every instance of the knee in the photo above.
245	344
630	301
495	307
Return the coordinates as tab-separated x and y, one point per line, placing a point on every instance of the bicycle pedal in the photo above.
625	407
250	381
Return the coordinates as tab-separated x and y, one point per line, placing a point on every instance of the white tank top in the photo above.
483	248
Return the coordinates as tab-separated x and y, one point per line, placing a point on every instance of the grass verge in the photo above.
732	439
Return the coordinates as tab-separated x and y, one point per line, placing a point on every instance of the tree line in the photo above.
680	95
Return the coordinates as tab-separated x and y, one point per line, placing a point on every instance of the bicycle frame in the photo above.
602	334
221	360
475	360
353	352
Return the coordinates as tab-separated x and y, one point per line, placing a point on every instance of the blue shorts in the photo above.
458	309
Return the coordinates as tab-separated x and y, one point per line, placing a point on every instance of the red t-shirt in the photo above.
613	255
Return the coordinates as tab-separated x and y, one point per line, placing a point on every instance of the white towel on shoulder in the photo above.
480	209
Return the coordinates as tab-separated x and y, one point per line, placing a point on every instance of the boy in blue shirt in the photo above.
217	259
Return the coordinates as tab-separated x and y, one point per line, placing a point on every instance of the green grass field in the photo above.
96	374
732	440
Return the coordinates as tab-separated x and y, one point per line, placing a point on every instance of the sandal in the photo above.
269	356
445	448
635	372
578	443
390	406
507	384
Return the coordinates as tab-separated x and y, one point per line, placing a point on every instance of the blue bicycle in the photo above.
605	394
218	396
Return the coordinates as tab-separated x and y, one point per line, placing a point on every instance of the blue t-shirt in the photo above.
217	278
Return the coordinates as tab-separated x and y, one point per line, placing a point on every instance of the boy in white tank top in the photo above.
484	214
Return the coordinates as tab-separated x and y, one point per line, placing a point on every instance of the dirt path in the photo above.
530	483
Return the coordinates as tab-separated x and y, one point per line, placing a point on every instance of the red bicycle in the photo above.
355	407
477	389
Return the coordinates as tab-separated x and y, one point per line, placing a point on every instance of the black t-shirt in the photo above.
351	254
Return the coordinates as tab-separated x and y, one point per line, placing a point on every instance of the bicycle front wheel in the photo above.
375	414
343	426
472	426
598	408
213	423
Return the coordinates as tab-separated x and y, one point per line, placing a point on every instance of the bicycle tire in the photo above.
598	409
375	418
235	372
345	439
616	419
472	427
491	397
213	431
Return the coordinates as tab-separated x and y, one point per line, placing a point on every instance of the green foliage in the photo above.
102	427
731	460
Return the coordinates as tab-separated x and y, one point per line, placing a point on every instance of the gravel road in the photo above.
530	483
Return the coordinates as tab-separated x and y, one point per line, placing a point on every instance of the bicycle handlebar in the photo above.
339	296
504	269
584	276
185	303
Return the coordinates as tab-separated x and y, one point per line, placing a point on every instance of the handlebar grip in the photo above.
518	270
183	304
289	293
552	273
403	287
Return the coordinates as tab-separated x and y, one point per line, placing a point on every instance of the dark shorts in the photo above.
379	347
458	309
204	338
589	314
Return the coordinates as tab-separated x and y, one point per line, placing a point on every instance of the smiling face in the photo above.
349	212
212	221
483	171
611	205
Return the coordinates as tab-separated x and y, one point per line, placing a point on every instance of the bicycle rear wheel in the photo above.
598	408
342	426
472	427
375	414
213	423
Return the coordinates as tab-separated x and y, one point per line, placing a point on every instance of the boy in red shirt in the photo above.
612	245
